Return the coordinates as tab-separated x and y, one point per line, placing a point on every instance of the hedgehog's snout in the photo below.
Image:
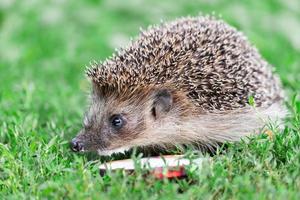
76	145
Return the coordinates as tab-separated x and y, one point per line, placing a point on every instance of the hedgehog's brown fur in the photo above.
209	60
209	71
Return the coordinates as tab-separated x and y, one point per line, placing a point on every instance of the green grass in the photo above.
44	46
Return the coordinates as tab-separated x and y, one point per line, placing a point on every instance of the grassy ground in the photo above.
44	46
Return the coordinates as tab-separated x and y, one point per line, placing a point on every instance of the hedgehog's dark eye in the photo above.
117	121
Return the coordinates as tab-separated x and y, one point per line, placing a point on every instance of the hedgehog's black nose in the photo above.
76	145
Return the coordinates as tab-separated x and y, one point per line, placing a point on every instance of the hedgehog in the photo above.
189	81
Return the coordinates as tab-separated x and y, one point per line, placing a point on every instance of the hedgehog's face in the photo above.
114	124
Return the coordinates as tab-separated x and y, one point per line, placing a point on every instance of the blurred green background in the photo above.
44	46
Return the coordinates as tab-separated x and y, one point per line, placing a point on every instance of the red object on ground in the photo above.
169	166
161	173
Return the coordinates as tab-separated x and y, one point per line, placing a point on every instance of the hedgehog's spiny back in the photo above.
203	57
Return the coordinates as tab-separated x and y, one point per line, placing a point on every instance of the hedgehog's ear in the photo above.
162	103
